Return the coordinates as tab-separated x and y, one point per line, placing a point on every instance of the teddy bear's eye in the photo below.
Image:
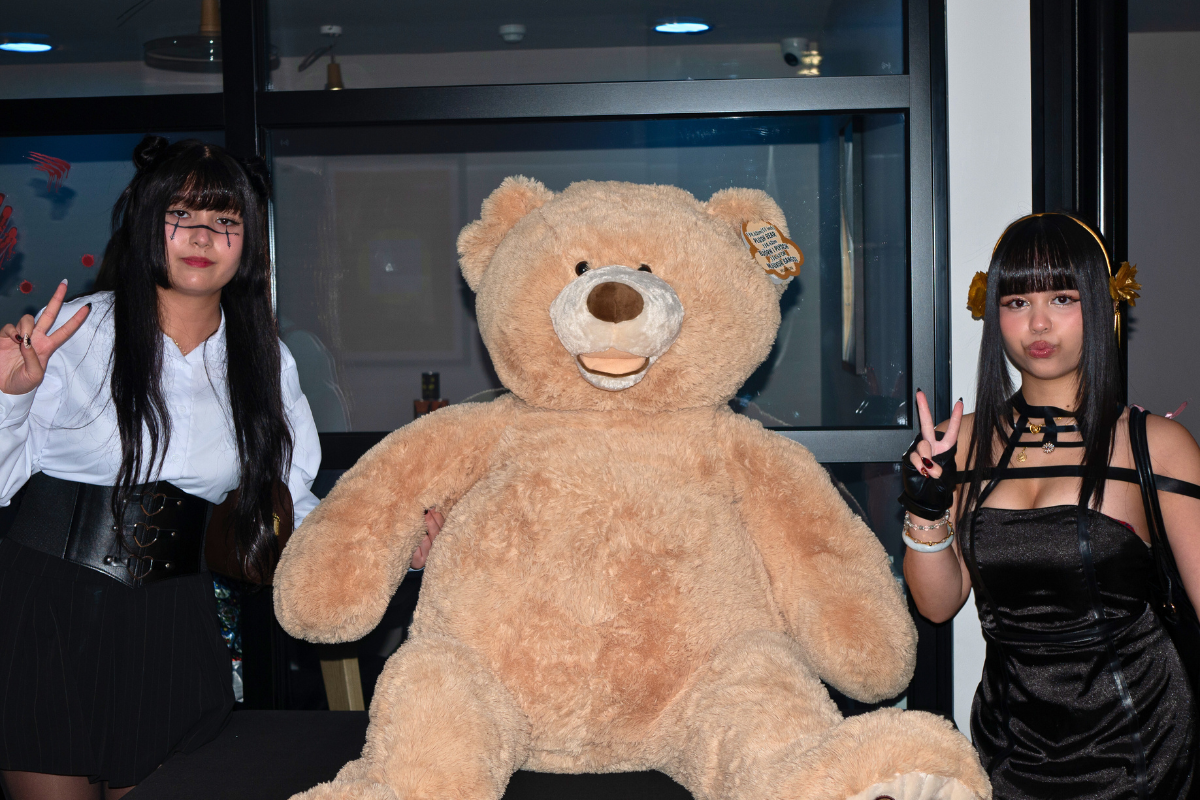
581	267
645	268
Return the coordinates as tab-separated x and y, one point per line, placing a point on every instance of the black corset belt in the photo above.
162	535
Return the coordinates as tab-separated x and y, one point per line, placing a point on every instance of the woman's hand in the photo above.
433	523
26	347
929	445
939	582
930	472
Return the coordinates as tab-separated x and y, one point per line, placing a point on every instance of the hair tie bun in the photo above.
260	178
149	153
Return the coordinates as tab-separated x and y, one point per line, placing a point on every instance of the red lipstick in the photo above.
1040	350
198	261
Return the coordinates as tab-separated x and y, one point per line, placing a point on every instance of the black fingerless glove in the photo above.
924	497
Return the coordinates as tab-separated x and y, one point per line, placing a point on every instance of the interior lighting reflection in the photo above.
681	26
24	47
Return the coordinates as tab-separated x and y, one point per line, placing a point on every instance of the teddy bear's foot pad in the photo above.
917	786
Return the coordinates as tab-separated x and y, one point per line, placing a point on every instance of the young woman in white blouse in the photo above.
126	414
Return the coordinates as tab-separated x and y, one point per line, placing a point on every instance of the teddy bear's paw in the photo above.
917	786
347	790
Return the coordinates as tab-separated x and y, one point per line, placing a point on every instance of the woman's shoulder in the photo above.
967	421
1173	450
287	362
964	429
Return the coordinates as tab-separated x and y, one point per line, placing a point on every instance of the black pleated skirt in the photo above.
100	679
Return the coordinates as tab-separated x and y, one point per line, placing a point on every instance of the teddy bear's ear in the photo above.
515	197
746	205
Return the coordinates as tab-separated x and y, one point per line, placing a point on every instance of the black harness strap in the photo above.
1162	482
968	550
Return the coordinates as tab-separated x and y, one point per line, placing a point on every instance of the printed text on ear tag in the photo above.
774	252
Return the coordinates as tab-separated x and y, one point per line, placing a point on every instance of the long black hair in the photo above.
1041	253
197	176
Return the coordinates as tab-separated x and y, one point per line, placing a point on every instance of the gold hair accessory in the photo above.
977	295
1122	287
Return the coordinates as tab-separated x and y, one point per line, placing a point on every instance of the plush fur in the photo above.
627	579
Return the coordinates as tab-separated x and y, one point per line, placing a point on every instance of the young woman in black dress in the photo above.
125	414
1083	693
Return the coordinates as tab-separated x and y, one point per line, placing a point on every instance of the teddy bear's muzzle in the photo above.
616	321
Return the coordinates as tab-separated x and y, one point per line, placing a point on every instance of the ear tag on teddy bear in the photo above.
778	255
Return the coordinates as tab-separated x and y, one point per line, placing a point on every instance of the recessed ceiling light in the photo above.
24	47
512	33
680	25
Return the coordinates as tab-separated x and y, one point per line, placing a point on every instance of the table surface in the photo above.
264	755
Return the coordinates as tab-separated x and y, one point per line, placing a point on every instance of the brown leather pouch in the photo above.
219	549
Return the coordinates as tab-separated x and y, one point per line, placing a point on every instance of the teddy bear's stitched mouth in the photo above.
624	364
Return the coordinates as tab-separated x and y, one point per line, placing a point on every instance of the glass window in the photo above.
362	44
100	49
370	295
57	197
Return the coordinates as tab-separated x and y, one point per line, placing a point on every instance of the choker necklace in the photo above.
1049	416
1046	413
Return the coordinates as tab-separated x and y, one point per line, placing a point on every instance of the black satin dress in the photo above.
1083	694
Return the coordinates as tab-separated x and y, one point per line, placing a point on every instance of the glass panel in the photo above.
61	205
370	295
467	42
115	48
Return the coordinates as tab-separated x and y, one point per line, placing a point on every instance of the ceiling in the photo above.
114	30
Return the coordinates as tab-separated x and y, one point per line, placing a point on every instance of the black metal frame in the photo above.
245	111
1079	51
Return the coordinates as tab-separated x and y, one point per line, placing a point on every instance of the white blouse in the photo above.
67	427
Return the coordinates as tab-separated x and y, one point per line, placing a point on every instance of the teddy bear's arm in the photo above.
343	564
828	572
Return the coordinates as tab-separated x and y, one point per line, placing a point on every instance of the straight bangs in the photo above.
1034	256
211	185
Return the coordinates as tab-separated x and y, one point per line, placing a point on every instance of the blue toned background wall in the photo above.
61	218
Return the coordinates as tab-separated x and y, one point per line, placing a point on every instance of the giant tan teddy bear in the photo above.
630	575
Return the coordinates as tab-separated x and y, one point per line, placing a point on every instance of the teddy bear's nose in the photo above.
614	302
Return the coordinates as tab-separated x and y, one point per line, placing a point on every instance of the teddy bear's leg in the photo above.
748	709
757	723
441	726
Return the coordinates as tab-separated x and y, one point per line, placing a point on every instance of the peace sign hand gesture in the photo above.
25	348
929	470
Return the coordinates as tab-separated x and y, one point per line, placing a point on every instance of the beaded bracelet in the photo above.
909	526
928	547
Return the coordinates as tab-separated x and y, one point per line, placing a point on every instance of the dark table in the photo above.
264	755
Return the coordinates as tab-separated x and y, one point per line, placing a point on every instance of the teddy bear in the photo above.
630	575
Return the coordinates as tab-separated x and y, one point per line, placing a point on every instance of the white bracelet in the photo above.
921	547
